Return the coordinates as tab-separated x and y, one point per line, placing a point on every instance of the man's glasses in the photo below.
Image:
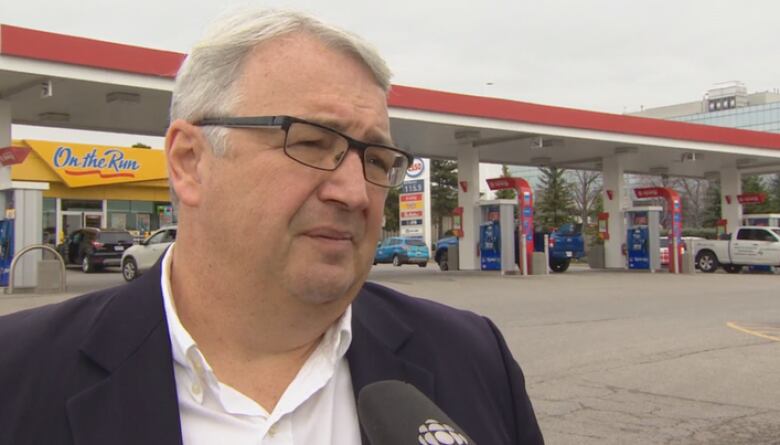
324	148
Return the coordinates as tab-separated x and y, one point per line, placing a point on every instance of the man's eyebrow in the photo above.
377	137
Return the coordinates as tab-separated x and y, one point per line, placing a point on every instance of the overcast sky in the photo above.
606	55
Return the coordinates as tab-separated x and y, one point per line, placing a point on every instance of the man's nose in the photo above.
347	184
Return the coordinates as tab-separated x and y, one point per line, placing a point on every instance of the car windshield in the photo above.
415	242
115	237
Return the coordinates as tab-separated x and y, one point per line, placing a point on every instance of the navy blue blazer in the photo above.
98	369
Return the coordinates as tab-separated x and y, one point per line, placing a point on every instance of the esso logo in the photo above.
416	169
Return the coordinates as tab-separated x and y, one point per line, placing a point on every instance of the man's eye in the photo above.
316	143
376	162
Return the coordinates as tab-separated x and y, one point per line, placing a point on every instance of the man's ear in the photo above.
185	148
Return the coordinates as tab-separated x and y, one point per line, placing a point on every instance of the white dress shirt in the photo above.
317	408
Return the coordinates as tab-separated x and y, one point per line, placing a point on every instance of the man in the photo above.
257	326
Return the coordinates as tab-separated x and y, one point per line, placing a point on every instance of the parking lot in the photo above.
613	357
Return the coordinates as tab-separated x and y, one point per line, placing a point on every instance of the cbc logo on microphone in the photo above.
433	432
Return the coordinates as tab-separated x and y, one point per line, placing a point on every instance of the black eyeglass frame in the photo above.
284	122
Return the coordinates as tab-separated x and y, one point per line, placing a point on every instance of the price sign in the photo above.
416	186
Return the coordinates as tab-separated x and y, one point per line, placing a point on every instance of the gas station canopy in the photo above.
71	82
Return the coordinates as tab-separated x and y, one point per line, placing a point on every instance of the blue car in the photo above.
399	250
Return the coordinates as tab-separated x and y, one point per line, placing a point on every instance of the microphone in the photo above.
396	413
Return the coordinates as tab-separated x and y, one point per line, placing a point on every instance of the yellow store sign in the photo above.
81	165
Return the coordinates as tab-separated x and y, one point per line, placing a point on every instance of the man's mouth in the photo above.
330	234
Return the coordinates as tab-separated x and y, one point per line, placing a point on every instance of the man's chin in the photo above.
322	284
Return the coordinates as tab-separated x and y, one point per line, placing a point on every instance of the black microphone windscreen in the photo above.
396	413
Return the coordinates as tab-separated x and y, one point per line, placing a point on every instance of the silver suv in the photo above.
142	256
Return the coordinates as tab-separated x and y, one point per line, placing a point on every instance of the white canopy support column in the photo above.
730	188
28	229
468	178
22	202
615	199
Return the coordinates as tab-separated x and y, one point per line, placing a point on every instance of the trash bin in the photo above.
688	262
539	265
453	258
49	275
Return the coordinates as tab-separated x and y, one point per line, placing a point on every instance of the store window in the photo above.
118	215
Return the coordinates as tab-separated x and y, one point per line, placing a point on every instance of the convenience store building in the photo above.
80	185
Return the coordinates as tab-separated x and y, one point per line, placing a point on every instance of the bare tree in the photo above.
586	187
693	193
693	197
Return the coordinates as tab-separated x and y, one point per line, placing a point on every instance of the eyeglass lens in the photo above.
323	149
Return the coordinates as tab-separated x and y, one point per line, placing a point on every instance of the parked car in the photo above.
94	248
400	250
141	257
748	246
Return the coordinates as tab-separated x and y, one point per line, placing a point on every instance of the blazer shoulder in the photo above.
418	312
54	327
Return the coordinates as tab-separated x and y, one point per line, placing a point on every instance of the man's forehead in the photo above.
299	75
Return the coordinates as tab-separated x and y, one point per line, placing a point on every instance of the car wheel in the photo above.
732	268
707	262
559	266
423	264
129	269
396	261
86	266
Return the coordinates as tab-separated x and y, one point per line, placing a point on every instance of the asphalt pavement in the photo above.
611	357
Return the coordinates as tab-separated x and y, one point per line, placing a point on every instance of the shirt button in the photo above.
272	431
196	389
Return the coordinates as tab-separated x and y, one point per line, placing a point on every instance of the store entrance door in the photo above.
71	221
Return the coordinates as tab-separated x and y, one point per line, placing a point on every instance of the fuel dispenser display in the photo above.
496	239
490	245
642	238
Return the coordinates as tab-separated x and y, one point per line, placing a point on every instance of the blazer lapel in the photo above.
376	351
136	402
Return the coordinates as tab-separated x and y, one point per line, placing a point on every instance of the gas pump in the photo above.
642	238
496	235
6	249
490	245
525	219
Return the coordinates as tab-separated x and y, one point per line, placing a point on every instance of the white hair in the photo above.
206	84
207	80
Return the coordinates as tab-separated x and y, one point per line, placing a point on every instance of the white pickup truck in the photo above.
748	246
